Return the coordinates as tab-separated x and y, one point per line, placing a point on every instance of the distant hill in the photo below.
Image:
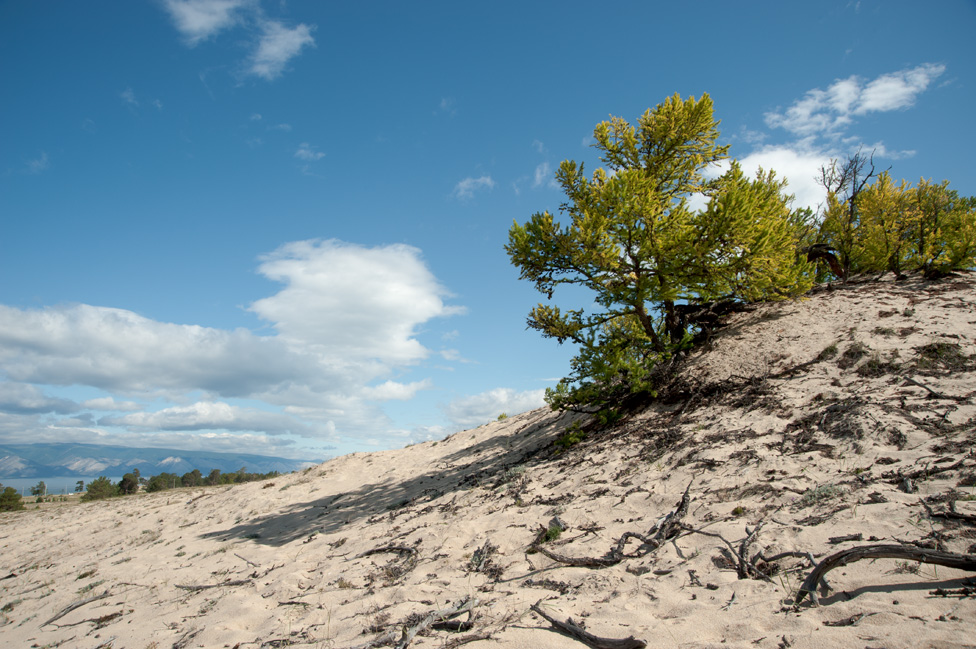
82	460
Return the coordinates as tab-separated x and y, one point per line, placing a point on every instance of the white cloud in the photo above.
38	164
211	415
255	117
308	153
466	188
826	112
278	44
393	391
22	398
198	20
352	302
108	404
898	89
798	164
544	176
478	409
280	127
346	319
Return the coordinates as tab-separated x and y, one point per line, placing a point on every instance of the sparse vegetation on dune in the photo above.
769	459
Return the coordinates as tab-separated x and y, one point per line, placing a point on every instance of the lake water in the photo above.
55	486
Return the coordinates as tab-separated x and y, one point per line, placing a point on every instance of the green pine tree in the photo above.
652	262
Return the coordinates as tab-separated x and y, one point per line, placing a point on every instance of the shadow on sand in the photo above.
524	441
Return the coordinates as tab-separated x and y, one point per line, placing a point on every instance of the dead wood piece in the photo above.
848	621
932	393
250	563
834	540
464	606
78	604
571	629
666	528
186	638
965	591
911	553
196	587
949	514
465	639
399	549
896	477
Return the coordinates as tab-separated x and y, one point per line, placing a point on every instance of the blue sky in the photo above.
278	227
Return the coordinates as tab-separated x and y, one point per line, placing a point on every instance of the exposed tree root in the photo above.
666	528
911	553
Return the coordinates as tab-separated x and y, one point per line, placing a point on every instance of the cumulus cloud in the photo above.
118	350
466	188
798	164
478	409
198	20
352	302
278	45
826	112
345	321
24	399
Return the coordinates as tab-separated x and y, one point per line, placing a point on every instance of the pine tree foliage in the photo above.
633	239
900	228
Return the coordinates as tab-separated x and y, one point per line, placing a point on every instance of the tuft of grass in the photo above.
739	511
941	356
502	417
876	366
854	353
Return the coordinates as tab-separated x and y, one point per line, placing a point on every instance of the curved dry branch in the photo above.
910	553
572	629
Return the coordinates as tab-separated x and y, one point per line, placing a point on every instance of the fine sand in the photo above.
847	414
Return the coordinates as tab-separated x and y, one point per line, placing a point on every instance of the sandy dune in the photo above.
796	426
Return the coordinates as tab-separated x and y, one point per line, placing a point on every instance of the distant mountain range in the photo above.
88	460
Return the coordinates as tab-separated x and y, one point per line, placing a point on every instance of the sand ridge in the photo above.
799	419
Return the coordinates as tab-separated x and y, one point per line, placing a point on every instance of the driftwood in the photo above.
407	634
932	393
895	477
949	514
399	549
78	604
911	553
464	606
666	528
195	587
571	629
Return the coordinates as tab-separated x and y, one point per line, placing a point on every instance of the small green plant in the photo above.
552	533
819	494
574	435
91	586
502	417
855	352
86	574
342	582
739	511
828	352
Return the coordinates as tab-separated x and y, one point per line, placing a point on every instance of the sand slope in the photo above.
800	418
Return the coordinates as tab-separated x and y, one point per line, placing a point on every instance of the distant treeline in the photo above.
133	482
130	483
